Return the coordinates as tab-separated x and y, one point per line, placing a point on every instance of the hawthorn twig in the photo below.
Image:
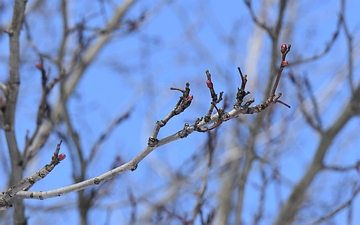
216	124
181	105
26	183
284	50
241	93
215	98
153	142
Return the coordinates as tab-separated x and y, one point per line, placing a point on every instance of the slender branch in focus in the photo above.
25	184
154	142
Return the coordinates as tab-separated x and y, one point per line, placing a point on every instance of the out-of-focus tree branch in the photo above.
75	76
11	101
297	196
340	208
274	32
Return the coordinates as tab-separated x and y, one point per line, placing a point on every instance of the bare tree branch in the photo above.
297	196
154	143
11	99
339	208
25	184
75	76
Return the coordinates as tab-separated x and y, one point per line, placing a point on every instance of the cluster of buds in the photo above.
239	108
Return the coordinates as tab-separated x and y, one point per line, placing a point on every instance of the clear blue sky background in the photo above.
176	45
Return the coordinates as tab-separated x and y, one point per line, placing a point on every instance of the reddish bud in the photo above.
209	83
357	167
283	48
190	97
61	156
284	63
39	66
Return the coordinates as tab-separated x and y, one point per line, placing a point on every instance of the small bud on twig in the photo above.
283	48
284	63
39	66
61	157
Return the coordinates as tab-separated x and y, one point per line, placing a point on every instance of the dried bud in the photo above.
209	83
190	97
283	48
39	66
284	63
61	157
